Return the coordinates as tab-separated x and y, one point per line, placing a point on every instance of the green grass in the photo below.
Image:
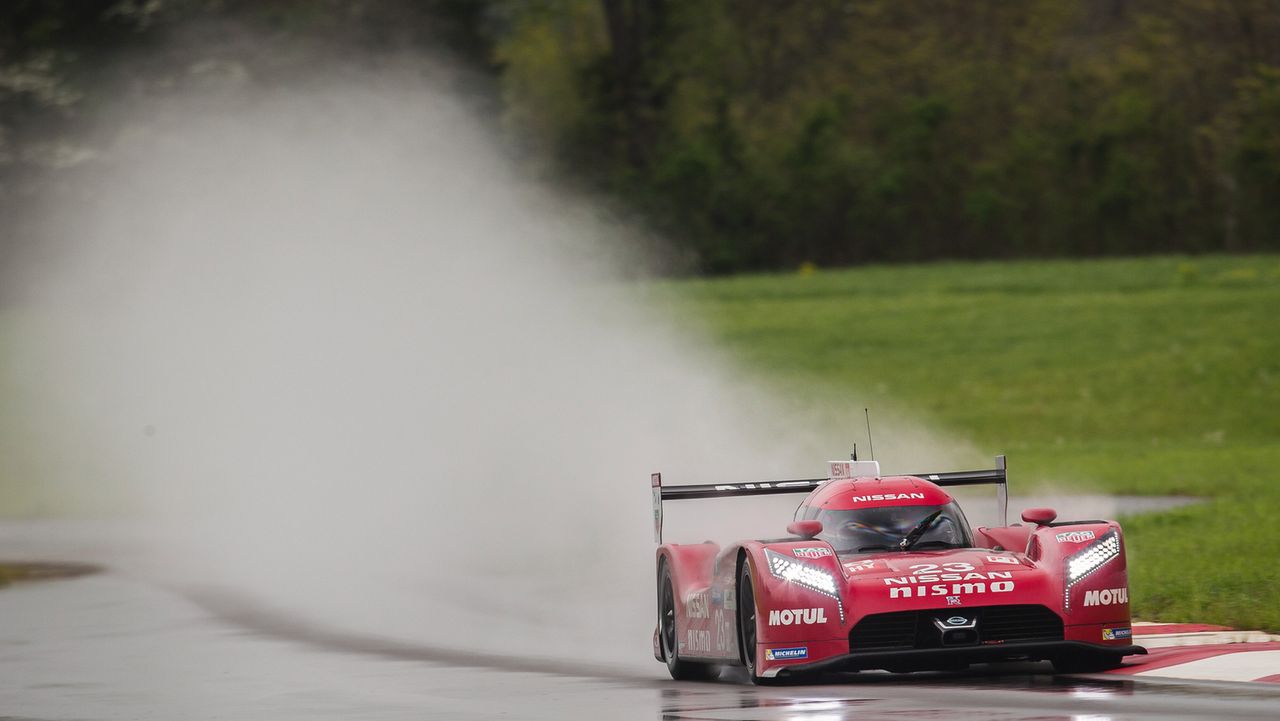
1144	376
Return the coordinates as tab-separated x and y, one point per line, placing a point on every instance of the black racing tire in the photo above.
748	626
669	635
1087	663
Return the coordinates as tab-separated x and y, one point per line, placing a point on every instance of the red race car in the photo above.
886	573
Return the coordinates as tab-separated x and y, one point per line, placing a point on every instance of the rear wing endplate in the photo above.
839	469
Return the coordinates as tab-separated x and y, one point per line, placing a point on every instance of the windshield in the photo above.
882	529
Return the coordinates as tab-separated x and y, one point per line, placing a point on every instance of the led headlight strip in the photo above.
802	574
1080	564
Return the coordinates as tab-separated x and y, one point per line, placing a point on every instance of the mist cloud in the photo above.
333	347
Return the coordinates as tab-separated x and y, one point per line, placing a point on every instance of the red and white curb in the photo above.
1203	652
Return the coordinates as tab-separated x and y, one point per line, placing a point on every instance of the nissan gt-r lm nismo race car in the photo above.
886	573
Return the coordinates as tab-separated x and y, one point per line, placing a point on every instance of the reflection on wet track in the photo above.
1024	694
108	647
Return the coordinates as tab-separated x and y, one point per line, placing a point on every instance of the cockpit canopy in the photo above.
879	529
868	515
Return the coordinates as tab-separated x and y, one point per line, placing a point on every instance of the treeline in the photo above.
769	134
61	60
67	67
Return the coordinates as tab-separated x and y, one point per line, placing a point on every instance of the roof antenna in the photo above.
870	443
854	456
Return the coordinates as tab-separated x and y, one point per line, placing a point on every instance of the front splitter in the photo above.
946	657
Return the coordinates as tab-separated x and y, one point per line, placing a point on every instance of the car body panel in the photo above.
810	598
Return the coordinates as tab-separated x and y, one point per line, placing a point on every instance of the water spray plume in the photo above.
338	354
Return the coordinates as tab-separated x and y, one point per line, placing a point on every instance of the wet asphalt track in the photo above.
112	647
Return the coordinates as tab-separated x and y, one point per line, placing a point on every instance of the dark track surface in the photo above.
108	647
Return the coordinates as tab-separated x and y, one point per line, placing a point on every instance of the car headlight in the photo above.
802	574
1089	559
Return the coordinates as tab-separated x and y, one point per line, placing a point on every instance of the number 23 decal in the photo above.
920	568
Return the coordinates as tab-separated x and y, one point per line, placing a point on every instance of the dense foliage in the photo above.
769	134
760	134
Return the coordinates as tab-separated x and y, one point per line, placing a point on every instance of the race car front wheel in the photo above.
670	635
747	625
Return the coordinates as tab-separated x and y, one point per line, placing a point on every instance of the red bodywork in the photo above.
1013	585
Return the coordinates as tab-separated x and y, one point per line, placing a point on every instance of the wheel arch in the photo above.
689	565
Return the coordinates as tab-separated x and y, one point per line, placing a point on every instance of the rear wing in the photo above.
838	470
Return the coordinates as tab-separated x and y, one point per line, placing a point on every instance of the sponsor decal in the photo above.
813	552
942	589
786	654
695	606
953	600
781	484
717	596
933	577
730	599
1116	634
1003	559
797	616
697	641
1075	536
962	584
859	566
889	497
1107	596
726	634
